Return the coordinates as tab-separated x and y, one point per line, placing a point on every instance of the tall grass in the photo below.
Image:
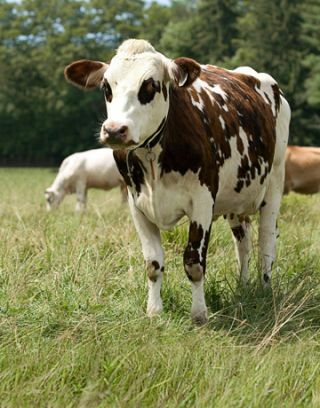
73	329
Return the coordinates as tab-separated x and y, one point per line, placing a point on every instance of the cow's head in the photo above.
52	199
136	85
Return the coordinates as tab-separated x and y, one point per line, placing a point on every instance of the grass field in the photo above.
73	329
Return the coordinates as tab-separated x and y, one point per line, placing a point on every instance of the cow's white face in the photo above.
136	92
136	88
52	200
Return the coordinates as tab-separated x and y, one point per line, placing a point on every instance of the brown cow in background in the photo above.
302	170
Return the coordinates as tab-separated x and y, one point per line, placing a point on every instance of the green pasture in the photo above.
73	328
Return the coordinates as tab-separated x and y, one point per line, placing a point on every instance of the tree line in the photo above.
43	119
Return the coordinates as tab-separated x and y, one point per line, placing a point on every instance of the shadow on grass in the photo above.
256	316
263	317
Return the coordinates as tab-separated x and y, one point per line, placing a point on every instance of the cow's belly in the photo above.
245	202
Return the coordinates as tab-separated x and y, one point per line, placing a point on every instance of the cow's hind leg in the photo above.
240	227
268	224
149	235
195	261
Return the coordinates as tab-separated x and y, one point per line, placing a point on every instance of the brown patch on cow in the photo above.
195	235
137	169
147	90
153	270
276	96
164	91
239	186
238	233
194	261
240	146
107	91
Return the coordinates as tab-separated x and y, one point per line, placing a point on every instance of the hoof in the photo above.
200	318
154	310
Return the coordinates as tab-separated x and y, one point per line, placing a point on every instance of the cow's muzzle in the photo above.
113	135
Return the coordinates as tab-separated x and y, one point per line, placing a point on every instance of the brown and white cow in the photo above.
302	170
199	141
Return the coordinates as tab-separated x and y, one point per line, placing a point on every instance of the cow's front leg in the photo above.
149	235
81	192
195	264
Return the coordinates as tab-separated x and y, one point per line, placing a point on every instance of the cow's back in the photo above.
249	137
100	169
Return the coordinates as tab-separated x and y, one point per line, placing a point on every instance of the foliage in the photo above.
73	327
43	119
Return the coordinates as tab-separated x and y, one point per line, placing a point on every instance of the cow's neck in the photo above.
177	145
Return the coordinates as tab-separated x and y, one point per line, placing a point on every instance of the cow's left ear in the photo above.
85	74
183	71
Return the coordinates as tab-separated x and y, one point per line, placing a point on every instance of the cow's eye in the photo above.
148	89
107	91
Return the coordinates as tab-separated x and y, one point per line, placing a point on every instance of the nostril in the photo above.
123	130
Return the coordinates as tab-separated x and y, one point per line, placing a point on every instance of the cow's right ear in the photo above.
85	74
183	71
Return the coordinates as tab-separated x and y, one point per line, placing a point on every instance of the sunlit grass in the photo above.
73	330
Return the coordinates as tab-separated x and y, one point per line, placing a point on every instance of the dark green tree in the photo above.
270	40
43	118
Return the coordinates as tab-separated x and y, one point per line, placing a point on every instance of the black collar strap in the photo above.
149	143
155	138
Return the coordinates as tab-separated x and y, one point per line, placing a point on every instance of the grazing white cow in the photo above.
80	171
197	140
302	170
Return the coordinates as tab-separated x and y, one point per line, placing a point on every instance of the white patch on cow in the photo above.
245	70
199	105
134	47
218	90
223	123
259	91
